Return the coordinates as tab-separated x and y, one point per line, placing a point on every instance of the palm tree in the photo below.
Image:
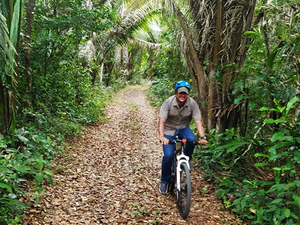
6	69
132	15
10	37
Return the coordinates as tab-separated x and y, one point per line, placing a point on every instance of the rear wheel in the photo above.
184	195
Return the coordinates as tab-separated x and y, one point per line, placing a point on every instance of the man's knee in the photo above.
168	156
168	152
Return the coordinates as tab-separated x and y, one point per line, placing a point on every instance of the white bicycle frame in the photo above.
181	158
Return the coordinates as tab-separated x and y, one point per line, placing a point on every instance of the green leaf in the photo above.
289	185
280	120
22	138
287	166
277	136
276	102
232	145
262	155
22	168
239	84
264	109
288	138
247	181
262	92
276	187
297	199
297	156
267	109
281	109
251	34
20	180
252	105
11	150
291	103
37	199
269	121
39	161
233	148
297	182
39	177
276	156
261	164
5	186
277	146
287	213
243	203
276	201
48	172
238	99
270	58
33	171
49	179
15	23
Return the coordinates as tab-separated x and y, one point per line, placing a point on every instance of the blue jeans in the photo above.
186	133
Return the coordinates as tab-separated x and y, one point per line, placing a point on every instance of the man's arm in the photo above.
200	131
161	130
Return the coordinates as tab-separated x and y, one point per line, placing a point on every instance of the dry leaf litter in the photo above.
111	175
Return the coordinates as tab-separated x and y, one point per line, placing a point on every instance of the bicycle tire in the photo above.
185	193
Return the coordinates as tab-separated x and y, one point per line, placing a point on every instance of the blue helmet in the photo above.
182	83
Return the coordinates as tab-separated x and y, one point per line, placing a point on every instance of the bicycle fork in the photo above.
182	158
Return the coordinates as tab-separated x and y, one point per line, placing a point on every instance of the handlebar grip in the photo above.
172	142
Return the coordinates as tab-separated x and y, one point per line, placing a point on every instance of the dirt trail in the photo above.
111	175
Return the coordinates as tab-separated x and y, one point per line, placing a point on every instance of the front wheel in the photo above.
184	195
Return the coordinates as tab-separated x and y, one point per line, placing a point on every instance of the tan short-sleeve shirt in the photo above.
178	117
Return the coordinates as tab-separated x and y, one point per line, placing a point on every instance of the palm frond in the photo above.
4	38
134	21
147	44
14	27
201	20
6	46
130	21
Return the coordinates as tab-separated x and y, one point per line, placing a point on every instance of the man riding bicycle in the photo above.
175	116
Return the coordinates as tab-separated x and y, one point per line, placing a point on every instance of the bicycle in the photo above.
180	176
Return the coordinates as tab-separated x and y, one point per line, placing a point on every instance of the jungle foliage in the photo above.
46	91
60	62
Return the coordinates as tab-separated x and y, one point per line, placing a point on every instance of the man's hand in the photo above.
202	142
164	140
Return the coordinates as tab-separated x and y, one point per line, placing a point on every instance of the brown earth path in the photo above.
111	175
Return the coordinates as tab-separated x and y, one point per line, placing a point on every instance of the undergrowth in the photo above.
26	154
258	177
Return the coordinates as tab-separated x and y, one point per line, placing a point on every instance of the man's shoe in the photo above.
163	188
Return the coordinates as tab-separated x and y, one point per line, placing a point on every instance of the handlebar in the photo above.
184	141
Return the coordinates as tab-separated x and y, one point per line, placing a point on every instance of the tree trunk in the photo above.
200	74
219	27
4	110
27	40
215	58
